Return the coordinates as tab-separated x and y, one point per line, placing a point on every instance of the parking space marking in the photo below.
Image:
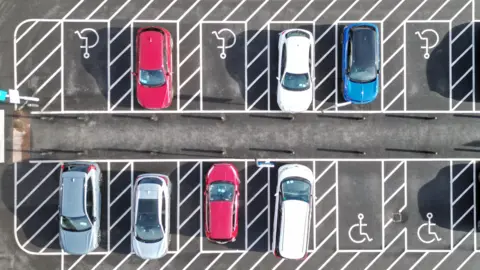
451	251
248	249
316	249
40	229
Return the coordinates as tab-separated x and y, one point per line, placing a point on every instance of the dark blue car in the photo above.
360	62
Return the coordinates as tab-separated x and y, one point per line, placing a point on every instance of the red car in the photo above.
153	73
221	203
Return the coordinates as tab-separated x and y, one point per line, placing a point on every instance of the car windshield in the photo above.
152	77
148	227
75	224
296	82
363	55
221	191
296	189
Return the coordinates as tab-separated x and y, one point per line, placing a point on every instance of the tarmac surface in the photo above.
396	180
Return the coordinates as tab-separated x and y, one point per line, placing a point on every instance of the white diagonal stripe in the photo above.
38	43
350	261
256	194
38	185
393	55
325	78
73	9
325	100
256	217
189	172
324	10
461	55
36	210
214	261
119	9
120	78
119	195
39	65
462	100
143	264
122	261
278	264
121	99
403	22
305	6
179	251
42	86
393	171
40	229
234	10
120	218
28	173
463	77
189	55
256	57
26	31
120	54
370	10
200	21
394	99
466	260
463	216
394	77
438	10
189	217
394	193
256	34
396	260
189	194
191	99
256	79
165	10
258	99
95	10
392	10
325	171
190	77
325	55
110	252
121	171
316	249
463	193
419	260
451	251
325	194
76	262
324	33
460	11
254	174
385	249
51	100
460	33
49	243
325	217
192	261
256	11
259	261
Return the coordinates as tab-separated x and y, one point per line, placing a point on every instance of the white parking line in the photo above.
393	194
119	196
26	31
192	261
248	249
189	55
189	77
143	264
325	55
326	99
419	260
305	6
463	193
191	99
188	173
253	175
258	216
51	100
394	99
234	10
451	251
257	56
403	22
189	194
49	243
461	55
36	209
42	86
39	65
256	194
120	173
77	261
38	185
350	261
394	77
214	261
119	10
122	261
256	79
165	10
460	33
121	99
316	249
461	10
462	217
189	217
258	99
370	10
466	260
325	194
259	260
463	77
120	218
324	10
200	21
393	55
402	232
325	217
179	251
110	252
40	229
278	264
28	173
393	171
120	54
326	77
438	10
120	78
38	43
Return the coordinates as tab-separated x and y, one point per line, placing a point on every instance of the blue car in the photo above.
360	62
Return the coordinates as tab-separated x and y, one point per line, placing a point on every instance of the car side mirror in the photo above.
134	74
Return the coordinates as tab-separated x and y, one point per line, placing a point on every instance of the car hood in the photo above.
221	173
294	101
77	242
150	250
221	222
353	91
154	97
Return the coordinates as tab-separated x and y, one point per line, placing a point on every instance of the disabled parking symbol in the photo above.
432	235
223	40
361	236
87	43
426	38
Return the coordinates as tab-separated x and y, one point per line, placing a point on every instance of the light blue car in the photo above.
80	207
360	62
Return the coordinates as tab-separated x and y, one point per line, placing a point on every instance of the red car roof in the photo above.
151	44
221	221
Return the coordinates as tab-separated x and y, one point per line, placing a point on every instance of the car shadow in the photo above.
438	73
431	198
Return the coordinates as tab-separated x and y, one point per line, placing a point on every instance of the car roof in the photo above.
151	42
73	194
364	40
221	221
298	49
294	228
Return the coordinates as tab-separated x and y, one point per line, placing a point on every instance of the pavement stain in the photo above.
21	136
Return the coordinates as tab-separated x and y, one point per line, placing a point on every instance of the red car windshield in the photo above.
221	191
152	77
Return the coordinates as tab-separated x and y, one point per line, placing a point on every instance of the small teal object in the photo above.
3	95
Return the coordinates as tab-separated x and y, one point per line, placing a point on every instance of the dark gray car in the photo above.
79	208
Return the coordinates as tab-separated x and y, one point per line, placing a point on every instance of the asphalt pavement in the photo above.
396	179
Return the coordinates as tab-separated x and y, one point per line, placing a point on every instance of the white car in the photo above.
293	211
295	70
151	227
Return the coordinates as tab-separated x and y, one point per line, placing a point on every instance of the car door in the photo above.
276	217
166	196
166	60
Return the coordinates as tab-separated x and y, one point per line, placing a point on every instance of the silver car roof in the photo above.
73	196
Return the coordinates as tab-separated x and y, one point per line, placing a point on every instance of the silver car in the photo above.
151	211
80	207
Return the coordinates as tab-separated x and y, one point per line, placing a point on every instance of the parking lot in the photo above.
376	207
376	189
225	55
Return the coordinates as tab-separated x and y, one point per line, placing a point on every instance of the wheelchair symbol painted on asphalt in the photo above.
363	235
224	45
87	44
426	38
429	225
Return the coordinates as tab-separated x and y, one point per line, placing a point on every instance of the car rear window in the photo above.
221	191
296	33
296	188
75	167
